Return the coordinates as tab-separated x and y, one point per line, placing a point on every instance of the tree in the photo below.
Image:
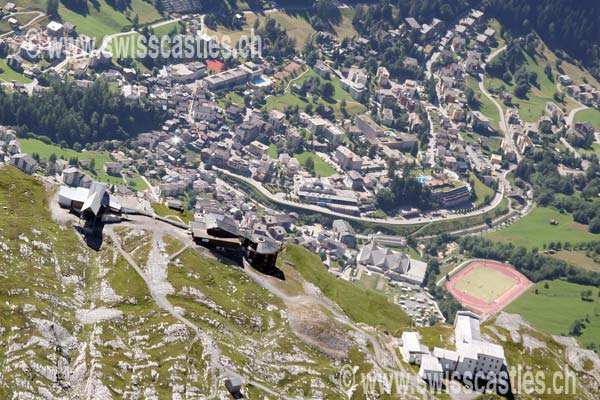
327	90
595	224
52	9
310	165
577	328
470	96
521	90
372	151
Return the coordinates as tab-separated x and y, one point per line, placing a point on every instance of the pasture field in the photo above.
295	23
8	74
532	107
578	258
101	19
321	167
482	191
554	309
289	99
485	105
535	230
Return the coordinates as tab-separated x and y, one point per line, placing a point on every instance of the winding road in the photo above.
388	221
503	124
571	117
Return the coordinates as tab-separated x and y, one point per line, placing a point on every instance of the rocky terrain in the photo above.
148	316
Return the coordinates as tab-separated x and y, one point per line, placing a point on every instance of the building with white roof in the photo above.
55	29
431	370
447	358
89	203
474	356
411	349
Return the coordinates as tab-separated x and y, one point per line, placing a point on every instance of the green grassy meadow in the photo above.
164	211
532	107
102	19
281	102
578	258
482	191
321	167
8	74
553	310
485	106
535	230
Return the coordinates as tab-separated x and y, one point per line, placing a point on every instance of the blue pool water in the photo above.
261	81
423	179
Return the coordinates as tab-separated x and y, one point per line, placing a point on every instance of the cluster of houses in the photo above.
26	52
584	93
10	152
473	357
240	139
472	31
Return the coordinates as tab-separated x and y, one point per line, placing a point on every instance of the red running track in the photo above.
481	306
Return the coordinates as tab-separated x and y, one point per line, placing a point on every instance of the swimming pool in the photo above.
423	179
261	81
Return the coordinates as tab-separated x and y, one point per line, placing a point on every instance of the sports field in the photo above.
486	286
485	283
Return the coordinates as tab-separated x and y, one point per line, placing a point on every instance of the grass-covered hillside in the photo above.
152	315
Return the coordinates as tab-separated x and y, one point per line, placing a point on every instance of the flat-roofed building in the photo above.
411	349
431	370
347	159
475	354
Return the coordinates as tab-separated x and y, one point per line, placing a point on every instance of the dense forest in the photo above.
74	116
562	24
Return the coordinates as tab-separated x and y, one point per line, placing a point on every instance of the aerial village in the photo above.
223	162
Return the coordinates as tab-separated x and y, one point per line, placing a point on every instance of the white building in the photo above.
411	349
447	358
431	370
55	29
475	355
